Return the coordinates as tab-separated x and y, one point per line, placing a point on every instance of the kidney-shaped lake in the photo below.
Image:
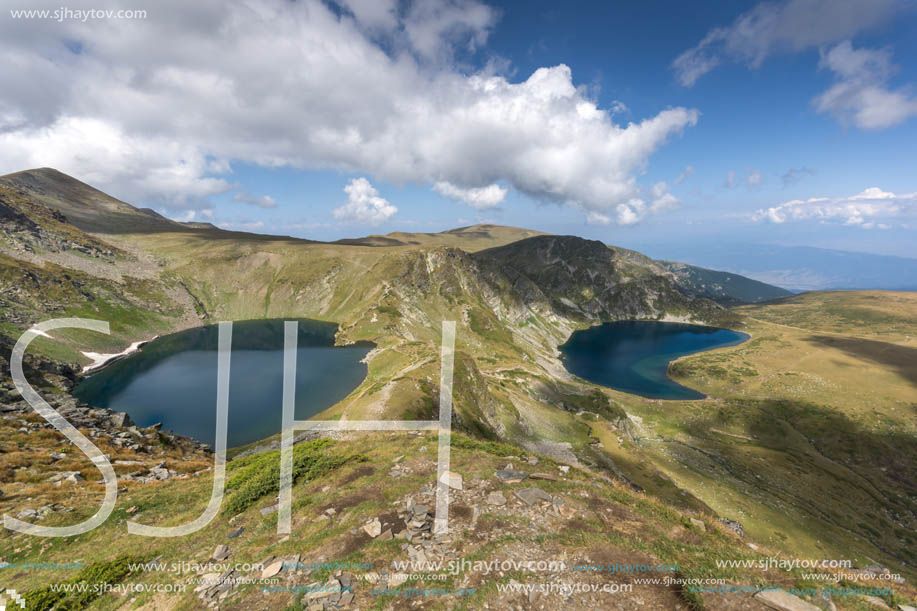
634	356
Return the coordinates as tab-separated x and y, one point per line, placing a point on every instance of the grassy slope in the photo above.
757	466
809	435
812	481
469	239
87	208
601	522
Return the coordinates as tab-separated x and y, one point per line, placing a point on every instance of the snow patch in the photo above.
99	360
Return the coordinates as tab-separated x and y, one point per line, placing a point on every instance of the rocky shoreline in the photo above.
54	380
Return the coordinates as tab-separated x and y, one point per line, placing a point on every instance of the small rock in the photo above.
451	479
876	602
699	524
70	476
387	535
396	579
272	569
564	468
234	534
161	473
121	419
208	580
133	509
221	552
510	476
269	510
496	498
374	528
530	496
547	476
734	525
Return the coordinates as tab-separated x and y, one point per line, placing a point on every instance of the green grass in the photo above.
112	572
254	477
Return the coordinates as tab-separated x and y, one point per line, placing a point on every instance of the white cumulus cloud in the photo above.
368	89
364	205
862	96
865	209
479	198
634	210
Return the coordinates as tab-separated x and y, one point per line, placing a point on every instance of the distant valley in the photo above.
800	268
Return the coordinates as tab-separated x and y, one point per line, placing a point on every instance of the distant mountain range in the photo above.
799	268
45	191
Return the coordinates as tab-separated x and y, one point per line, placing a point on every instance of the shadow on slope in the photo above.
901	359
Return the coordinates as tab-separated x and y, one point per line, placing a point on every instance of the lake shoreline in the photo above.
173	380
635	356
100	361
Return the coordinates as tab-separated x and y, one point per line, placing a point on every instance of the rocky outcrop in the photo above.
586	280
29	227
55	379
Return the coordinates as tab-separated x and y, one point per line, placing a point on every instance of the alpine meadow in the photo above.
446	304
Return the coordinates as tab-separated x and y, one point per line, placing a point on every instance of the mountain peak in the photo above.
85	206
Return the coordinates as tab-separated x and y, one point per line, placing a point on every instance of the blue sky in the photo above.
792	122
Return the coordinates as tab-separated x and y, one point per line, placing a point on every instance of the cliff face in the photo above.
561	277
585	280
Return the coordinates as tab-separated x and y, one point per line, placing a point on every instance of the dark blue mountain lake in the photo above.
634	356
173	379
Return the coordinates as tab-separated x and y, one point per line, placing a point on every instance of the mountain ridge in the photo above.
646	466
94	212
798	268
